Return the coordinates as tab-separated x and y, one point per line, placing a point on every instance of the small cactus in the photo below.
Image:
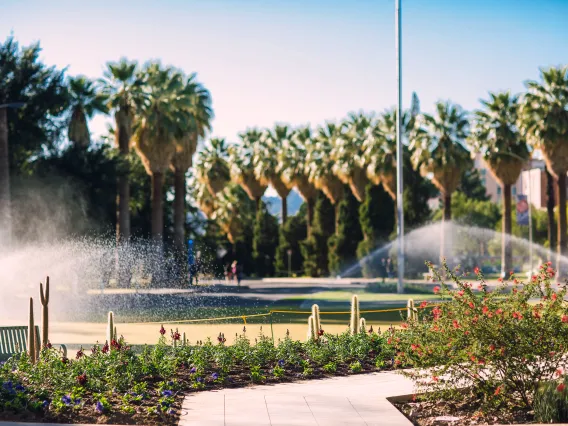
31	333
411	312
362	325
110	327
317	321
354	325
44	297
312	333
184	340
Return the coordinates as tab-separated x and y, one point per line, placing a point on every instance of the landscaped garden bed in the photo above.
111	384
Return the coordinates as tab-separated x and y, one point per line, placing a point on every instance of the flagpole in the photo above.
399	153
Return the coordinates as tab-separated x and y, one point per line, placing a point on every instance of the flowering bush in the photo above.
495	347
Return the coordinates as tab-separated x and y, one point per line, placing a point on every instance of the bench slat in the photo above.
4	343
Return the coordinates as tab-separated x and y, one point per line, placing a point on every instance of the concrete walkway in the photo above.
354	400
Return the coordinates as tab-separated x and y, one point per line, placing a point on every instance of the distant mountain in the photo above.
274	204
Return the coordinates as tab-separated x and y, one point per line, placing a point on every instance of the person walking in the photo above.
234	272
190	261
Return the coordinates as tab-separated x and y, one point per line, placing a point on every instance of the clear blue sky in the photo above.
304	61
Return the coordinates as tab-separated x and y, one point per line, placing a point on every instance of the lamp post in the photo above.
399	153
5	200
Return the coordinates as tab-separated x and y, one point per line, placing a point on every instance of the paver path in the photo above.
354	400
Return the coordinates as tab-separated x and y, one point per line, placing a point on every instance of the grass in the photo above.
345	296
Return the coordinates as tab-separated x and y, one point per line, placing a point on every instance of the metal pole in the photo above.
530	220
399	153
5	203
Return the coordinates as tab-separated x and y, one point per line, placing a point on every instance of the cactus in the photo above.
312	333
411	312
44	297
115	336
317	321
31	333
354	315
362	325
110	327
184	340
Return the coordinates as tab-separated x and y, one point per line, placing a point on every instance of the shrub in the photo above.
501	346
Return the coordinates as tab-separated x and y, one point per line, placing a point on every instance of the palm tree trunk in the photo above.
179	210
310	203
5	205
157	208
123	201
258	201
284	210
447	207
506	249
336	207
562	237
550	210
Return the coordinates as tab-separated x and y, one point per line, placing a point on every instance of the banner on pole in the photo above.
522	210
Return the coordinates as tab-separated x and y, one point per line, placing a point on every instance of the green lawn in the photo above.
345	296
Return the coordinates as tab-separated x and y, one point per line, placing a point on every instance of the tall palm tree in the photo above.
212	168
85	101
266	165
543	119
321	163
227	211
157	128
438	148
295	171
121	86
206	202
348	154
243	168
496	136
199	118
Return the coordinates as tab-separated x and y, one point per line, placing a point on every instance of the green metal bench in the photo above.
14	340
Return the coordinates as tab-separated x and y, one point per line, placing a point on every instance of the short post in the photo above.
271	328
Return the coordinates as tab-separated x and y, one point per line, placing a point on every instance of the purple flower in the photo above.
20	388
199	379
45	404
171	411
170	383
77	401
193	370
281	362
167	393
8	385
66	399
100	407
214	376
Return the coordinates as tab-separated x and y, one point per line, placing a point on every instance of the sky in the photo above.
304	61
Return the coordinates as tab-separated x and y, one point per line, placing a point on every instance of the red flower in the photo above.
48	345
437	312
404	325
500	279
536	314
550	272
476	270
115	345
423	304
82	379
435	378
436	289
499	311
414	347
485	309
516	281
549	263
64	360
162	330
176	335
104	350
320	331
517	315
560	387
511	272
456	324
554	296
497	391
564	318
80	353
471	305
491	347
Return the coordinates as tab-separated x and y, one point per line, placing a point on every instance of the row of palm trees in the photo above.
362	150
162	113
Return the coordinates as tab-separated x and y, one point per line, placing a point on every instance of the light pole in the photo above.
5	199
399	153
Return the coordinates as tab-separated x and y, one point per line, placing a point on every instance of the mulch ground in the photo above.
428	413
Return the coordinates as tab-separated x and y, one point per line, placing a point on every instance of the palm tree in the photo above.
227	211
295	171
438	149
266	165
243	168
199	119
157	128
212	168
121	86
85	101
320	164
496	136
206	202
543	118
348	155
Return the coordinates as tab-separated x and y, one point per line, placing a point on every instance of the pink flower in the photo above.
476	270
423	304
559	372
485	309
436	289
499	311
564	318
404	325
